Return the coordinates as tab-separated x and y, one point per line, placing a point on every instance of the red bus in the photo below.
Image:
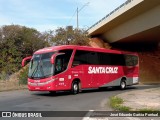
70	67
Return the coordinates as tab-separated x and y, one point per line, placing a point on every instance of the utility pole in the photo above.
77	19
78	10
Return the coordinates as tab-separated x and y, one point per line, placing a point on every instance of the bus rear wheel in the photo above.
75	88
123	84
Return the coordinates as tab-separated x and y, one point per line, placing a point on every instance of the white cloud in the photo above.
45	27
49	14
96	10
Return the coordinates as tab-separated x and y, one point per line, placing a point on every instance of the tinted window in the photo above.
111	59
117	59
104	59
131	60
85	57
67	56
98	58
62	61
92	58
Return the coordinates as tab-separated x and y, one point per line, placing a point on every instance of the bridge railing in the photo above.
124	4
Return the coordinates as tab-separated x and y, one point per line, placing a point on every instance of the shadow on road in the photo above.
88	91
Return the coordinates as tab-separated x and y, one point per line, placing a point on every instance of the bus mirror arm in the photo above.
25	59
53	57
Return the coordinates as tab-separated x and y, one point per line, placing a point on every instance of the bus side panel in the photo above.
85	77
113	78
98	79
132	75
61	82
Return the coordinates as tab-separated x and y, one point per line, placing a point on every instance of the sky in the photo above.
45	15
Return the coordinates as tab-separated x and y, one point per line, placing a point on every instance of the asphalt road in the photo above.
24	100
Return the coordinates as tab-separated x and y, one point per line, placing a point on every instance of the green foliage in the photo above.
23	76
3	75
147	110
65	36
117	102
17	42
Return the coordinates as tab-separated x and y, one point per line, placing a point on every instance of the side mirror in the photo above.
25	59
54	56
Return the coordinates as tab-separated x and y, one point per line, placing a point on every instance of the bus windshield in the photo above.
40	66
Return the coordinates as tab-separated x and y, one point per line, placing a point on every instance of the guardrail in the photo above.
124	4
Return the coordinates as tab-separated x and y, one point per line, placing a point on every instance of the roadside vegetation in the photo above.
147	110
17	42
116	103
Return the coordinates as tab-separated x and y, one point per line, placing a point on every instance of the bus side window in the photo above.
76	63
58	64
79	58
92	58
131	60
66	57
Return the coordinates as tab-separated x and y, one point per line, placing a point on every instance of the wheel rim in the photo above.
123	85
75	87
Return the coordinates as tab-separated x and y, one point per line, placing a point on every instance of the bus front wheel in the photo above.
75	88
123	84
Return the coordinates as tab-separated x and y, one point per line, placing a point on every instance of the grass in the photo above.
117	102
147	110
12	83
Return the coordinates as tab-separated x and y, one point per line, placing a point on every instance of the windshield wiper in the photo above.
35	70
41	68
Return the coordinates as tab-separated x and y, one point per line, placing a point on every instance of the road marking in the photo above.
87	116
133	118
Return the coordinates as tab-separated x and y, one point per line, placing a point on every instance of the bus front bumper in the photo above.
41	86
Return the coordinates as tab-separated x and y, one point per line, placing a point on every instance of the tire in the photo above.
52	92
75	88
123	85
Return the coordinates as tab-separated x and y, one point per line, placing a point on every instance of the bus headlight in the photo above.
49	81
42	83
29	83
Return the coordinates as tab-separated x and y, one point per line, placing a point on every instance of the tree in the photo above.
68	35
17	42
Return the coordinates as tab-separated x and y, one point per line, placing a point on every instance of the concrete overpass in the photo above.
133	21
133	26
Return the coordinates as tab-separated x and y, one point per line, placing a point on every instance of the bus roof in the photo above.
87	48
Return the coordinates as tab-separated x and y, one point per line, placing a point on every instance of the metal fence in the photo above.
124	4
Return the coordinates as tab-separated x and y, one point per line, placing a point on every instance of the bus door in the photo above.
80	63
60	73
61	65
